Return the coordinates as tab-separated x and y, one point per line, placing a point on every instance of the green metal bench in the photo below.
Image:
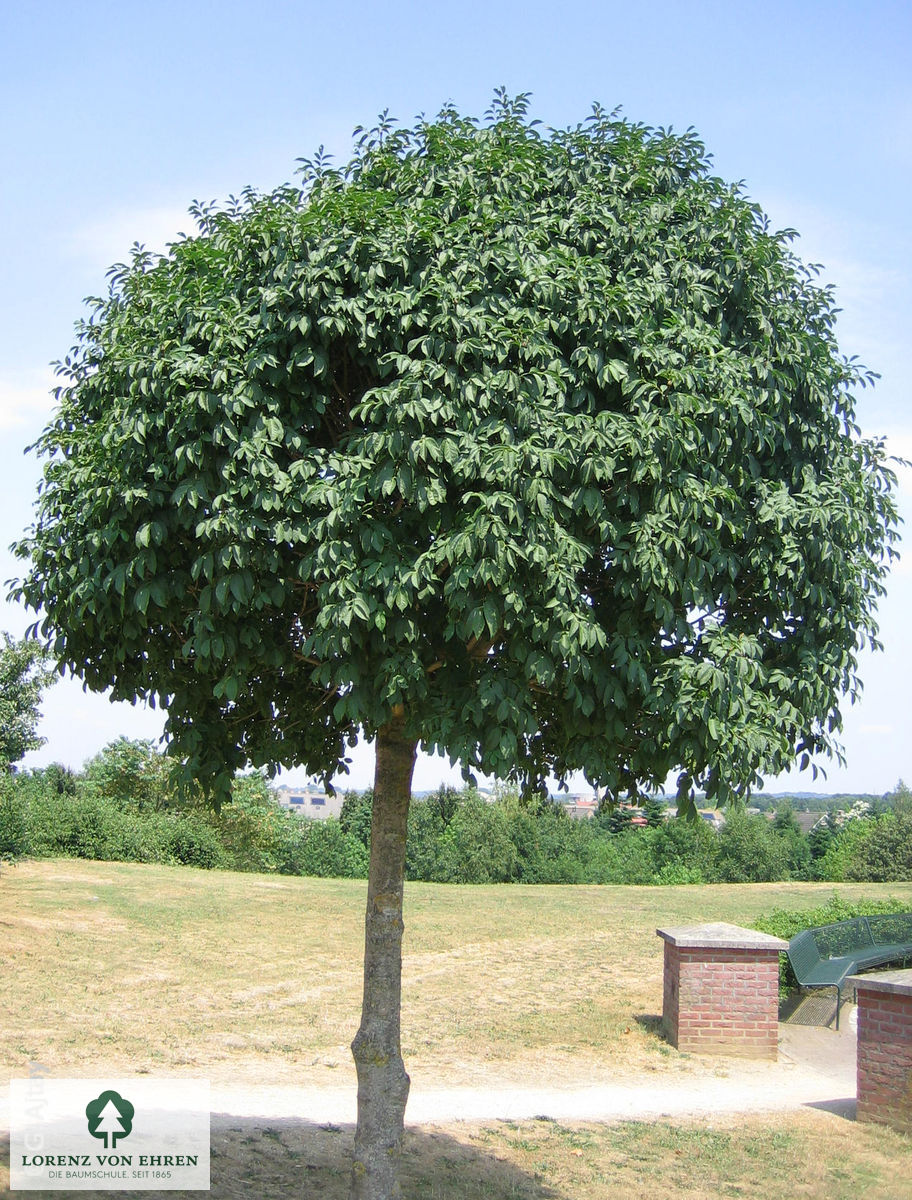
828	955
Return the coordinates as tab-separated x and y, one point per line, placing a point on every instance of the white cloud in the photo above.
25	396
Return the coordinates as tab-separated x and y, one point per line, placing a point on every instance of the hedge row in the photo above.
123	812
44	825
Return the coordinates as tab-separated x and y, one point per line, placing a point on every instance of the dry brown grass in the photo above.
244	979
257	979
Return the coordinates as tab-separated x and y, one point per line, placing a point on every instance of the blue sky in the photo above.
117	115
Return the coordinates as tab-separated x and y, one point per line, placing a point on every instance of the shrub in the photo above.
425	830
683	851
749	851
621	858
885	855
843	849
322	848
86	826
475	846
453	837
549	846
252	827
673	873
194	843
785	826
14	831
355	817
132	775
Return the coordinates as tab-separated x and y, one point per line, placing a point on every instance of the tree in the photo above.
533	447
900	800
132	774
820	838
685	848
749	851
654	811
620	818
24	673
885	855
785	825
355	817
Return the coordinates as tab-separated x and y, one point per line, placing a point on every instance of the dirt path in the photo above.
815	1067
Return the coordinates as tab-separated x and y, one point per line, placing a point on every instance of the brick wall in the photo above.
671	990
721	998
885	1050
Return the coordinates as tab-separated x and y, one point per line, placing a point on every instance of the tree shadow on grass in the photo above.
273	1159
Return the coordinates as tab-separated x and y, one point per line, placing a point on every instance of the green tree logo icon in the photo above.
110	1116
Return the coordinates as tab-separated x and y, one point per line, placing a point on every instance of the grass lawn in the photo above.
247	979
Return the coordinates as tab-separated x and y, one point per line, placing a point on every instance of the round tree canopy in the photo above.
542	439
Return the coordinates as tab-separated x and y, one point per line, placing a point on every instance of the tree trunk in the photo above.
383	1084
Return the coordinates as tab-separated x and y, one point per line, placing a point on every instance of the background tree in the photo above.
533	447
24	673
900	800
59	778
131	773
446	801
693	844
785	825
355	817
655	812
750	851
844	848
885	856
820	838
620	818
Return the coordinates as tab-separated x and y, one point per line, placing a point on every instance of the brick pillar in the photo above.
721	990
885	1048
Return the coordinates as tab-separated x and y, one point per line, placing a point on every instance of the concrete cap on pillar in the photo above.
897	982
722	936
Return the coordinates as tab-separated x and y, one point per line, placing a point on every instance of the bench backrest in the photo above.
891	929
841	938
803	953
844	938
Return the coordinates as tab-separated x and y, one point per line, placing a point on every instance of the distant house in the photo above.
810	820
585	806
309	801
579	806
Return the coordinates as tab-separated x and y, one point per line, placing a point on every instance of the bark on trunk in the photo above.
383	1084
